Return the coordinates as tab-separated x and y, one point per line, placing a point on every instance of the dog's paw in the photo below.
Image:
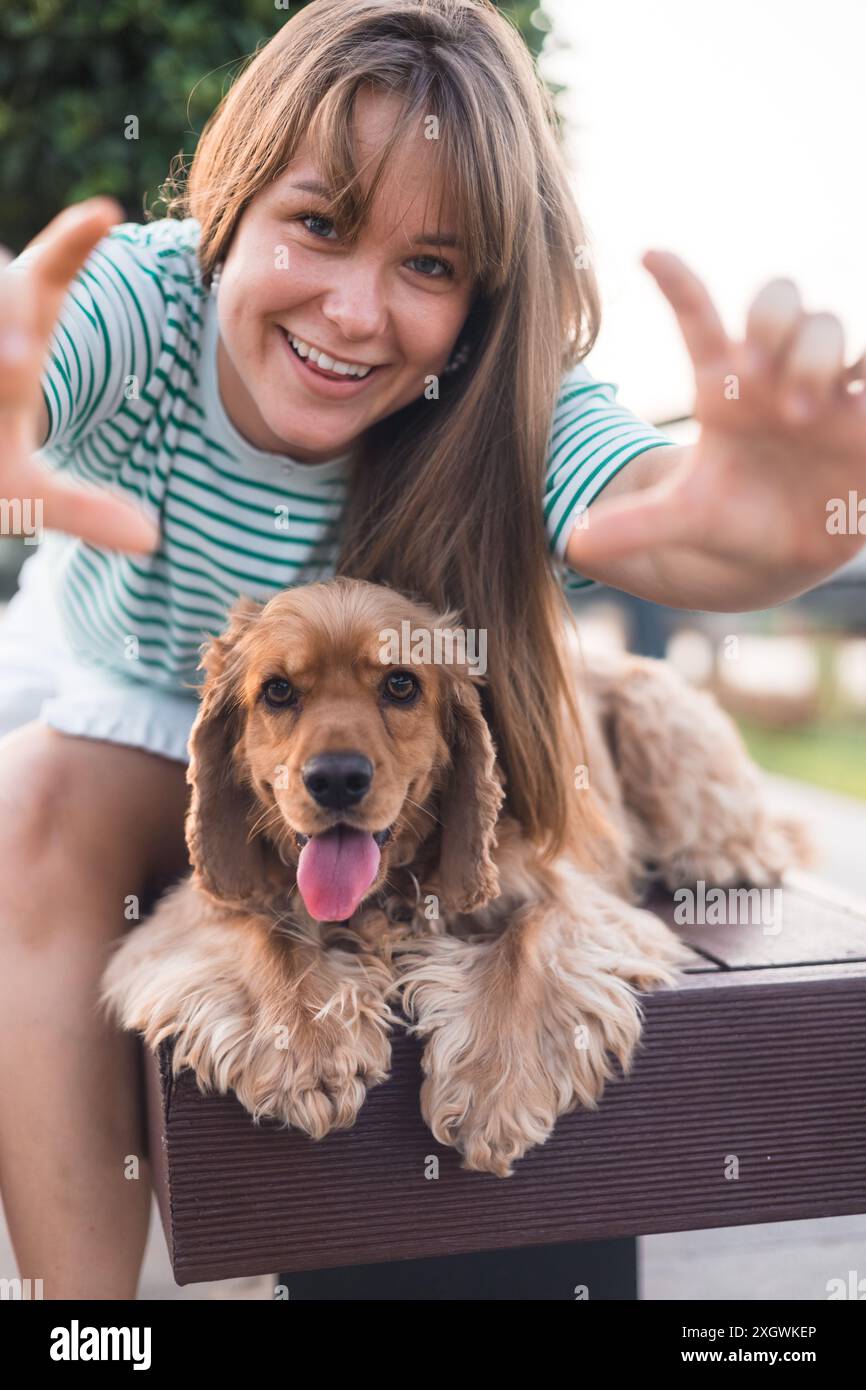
519	1031
635	945
760	853
490	1129
297	1032
311	1059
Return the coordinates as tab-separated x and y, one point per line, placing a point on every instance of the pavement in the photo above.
788	1260
837	825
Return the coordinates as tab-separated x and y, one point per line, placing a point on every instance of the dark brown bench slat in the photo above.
768	1064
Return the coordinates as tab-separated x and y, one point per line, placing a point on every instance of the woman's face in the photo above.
395	301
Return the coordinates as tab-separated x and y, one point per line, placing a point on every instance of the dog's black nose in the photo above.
338	780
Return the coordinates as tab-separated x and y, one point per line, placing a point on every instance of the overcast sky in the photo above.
730	133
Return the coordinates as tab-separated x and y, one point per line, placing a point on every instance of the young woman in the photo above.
355	345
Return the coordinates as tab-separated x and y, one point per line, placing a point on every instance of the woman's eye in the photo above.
317	217
432	267
401	686
278	693
446	269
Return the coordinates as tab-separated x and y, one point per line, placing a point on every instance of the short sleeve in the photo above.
591	439
106	341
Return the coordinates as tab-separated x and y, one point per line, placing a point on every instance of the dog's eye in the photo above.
278	693
401	687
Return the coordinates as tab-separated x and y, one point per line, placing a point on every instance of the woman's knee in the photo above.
81	818
34	794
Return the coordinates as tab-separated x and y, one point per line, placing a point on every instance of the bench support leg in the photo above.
606	1268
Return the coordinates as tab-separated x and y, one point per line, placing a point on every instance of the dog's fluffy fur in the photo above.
521	976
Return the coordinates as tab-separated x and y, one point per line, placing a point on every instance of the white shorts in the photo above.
41	678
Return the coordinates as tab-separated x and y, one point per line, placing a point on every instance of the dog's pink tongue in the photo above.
335	870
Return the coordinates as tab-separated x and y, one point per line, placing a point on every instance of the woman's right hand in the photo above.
31	297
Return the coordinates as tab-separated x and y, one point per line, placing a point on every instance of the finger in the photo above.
771	323
689	298
20	351
812	367
98	517
615	529
59	251
32	291
92	513
854	383
86	510
68	232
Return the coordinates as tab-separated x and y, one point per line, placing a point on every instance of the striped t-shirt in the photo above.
132	394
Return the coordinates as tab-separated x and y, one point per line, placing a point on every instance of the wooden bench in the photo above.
747	1103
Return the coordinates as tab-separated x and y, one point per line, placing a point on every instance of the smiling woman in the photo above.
445	236
382	189
385	209
365	306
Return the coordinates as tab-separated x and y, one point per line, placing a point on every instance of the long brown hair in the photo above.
445	495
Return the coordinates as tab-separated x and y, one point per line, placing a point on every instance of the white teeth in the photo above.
328	364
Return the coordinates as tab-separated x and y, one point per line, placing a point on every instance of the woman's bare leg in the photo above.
84	824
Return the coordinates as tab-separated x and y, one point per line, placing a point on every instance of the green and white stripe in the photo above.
131	391
591	439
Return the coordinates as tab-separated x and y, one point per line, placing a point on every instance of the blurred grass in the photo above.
830	756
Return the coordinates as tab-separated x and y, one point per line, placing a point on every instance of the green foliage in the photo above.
831	755
71	76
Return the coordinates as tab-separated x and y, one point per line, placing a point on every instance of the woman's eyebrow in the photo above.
423	238
312	186
438	239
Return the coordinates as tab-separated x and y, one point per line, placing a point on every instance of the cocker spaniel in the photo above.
351	846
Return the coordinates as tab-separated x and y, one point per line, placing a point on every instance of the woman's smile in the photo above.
324	382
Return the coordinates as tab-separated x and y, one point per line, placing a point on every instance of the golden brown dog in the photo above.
350	846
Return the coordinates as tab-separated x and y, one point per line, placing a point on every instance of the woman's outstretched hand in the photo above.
781	451
31	297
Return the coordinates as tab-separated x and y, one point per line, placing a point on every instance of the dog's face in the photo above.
318	761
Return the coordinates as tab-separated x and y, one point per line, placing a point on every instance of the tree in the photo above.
97	97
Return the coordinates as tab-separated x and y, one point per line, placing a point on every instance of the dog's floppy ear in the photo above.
469	805
230	864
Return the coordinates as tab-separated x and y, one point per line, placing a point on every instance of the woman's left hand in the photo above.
777	478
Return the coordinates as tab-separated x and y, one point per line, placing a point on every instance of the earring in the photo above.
215	277
458	359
